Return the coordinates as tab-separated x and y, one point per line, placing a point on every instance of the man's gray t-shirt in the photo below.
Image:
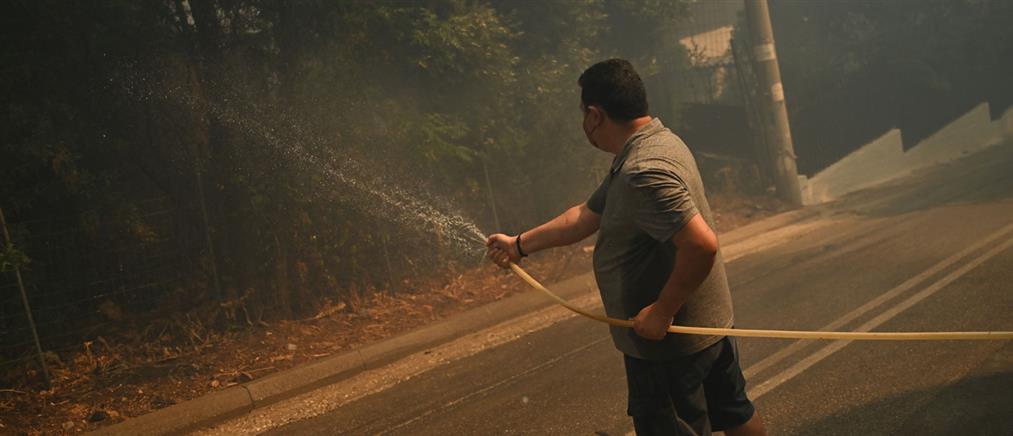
652	190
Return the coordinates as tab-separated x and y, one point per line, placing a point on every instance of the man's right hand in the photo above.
503	249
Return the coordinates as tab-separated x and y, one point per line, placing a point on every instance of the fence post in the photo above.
492	197
24	299
754	119
207	235
386	260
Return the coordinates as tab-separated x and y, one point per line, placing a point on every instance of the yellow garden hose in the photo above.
781	334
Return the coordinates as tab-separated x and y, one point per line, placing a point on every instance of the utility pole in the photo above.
784	169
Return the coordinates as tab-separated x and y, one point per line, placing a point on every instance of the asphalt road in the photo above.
933	252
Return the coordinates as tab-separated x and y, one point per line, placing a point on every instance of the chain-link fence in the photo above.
85	275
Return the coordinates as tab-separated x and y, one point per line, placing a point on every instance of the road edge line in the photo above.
791	372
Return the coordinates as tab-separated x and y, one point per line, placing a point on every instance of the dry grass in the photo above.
179	358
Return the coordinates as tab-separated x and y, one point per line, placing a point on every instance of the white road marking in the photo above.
908	284
800	367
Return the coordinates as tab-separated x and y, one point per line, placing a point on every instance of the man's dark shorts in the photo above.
696	394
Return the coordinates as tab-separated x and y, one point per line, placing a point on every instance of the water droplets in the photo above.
369	190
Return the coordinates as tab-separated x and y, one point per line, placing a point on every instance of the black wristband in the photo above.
517	242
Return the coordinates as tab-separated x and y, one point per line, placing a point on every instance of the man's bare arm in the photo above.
571	226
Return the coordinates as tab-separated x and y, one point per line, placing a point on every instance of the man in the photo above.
656	261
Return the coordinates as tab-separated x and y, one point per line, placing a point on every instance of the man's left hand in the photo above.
503	249
651	324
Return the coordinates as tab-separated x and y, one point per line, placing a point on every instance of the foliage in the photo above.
11	258
268	117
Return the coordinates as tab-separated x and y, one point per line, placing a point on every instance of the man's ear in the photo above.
595	114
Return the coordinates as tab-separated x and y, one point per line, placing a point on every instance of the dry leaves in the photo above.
175	359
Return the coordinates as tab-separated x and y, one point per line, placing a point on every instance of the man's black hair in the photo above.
616	87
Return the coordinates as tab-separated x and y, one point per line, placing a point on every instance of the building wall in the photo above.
885	159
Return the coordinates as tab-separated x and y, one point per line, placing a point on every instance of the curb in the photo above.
747	231
237	400
184	417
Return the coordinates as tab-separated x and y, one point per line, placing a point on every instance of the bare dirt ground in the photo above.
129	374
